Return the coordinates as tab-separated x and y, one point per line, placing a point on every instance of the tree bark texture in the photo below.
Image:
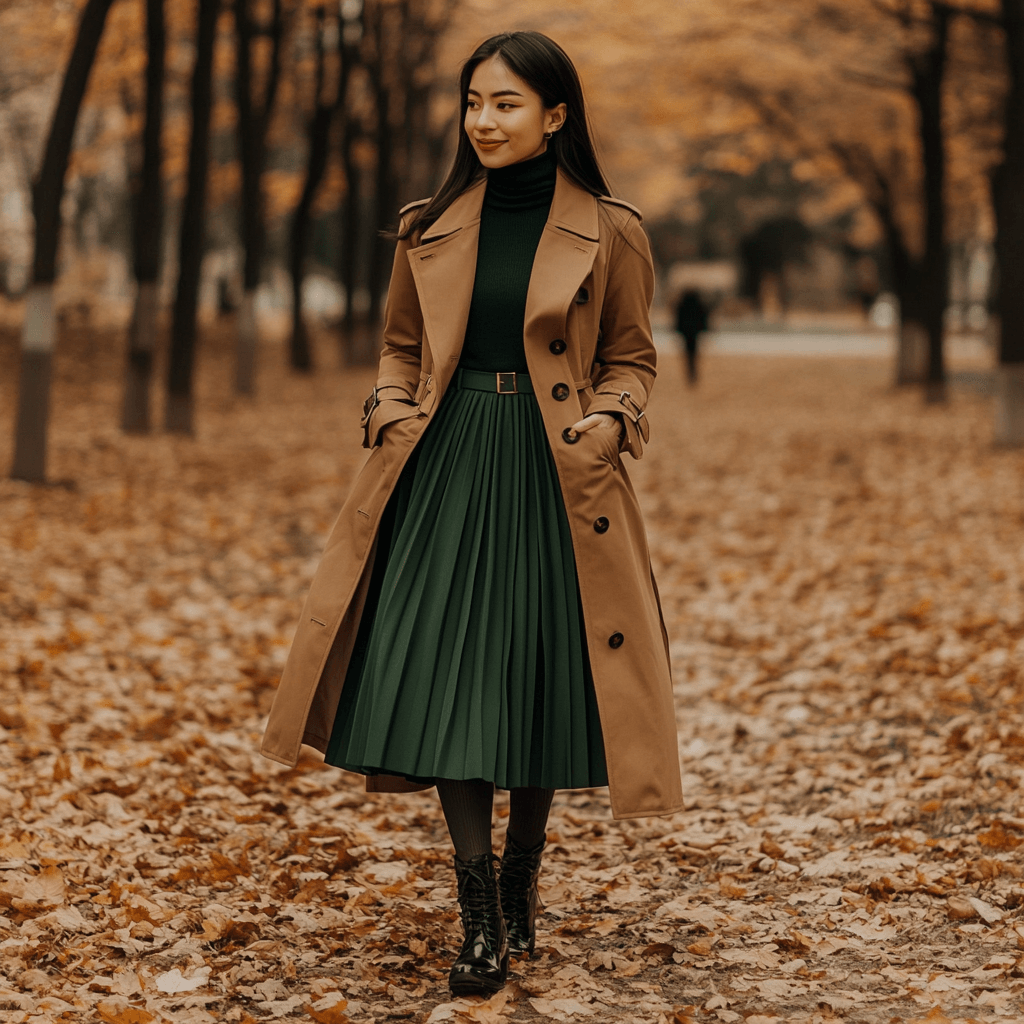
1008	200
135	416
387	60
245	354
179	411
877	181
351	229
38	330
928	71
385	208
909	284
148	232
397	41
351	223
253	121
1008	193
300	352
37	340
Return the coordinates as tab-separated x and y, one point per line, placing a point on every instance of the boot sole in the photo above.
474	985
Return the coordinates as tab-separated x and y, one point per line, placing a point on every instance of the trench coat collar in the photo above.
572	209
444	267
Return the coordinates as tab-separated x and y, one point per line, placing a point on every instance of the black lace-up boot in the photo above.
482	964
520	900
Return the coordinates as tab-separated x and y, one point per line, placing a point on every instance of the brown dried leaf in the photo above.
960	909
328	1010
37	893
117	1011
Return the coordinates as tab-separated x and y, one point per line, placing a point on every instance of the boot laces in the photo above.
478	900
519	870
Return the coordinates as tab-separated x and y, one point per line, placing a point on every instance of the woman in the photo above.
484	614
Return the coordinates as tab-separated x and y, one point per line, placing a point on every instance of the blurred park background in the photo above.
849	175
192	273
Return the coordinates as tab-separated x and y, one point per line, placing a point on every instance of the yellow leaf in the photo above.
998	838
117	1011
61	768
703	947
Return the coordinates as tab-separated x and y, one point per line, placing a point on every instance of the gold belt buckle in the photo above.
506	383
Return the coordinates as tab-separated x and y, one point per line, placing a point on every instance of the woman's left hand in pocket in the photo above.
604	423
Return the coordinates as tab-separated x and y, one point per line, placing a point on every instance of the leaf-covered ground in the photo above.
841	569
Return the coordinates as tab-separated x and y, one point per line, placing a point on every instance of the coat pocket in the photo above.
599	445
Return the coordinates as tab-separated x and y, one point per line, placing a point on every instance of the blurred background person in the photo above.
691	321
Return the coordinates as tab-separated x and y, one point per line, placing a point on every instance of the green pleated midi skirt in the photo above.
470	661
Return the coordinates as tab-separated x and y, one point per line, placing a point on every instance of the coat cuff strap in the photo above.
371	432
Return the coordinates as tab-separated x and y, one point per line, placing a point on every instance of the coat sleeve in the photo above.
398	373
626	359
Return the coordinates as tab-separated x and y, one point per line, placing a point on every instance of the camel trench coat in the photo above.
589	349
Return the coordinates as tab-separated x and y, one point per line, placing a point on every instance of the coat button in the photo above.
569	437
557	347
601	524
560	392
616	640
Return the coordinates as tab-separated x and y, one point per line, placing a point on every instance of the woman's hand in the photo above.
602	422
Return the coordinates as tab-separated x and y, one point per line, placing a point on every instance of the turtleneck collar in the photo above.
526	185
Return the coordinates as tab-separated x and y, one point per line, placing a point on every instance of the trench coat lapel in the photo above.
565	256
444	268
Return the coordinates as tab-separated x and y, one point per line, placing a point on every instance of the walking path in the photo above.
820	343
841	570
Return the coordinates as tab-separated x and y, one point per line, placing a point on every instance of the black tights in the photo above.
467	809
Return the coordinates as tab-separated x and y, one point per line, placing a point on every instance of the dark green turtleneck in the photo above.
515	209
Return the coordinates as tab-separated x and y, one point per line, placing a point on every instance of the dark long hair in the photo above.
546	68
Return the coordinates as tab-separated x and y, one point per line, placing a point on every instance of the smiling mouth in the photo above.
490	143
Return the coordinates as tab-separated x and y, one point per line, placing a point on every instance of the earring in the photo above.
547	135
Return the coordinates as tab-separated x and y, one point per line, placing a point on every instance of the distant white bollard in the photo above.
883	311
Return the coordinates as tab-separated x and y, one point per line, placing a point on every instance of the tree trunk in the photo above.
148	232
911	352
319	128
928	73
249	210
253	120
386	26
139	371
906	276
179	412
384	210
912	341
360	248
39	329
352	32
37	342
1008	197
351	231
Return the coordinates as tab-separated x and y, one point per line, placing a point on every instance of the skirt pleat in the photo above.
470	661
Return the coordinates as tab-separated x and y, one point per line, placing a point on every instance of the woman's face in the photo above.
505	119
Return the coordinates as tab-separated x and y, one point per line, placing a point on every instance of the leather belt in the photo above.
503	383
499	383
